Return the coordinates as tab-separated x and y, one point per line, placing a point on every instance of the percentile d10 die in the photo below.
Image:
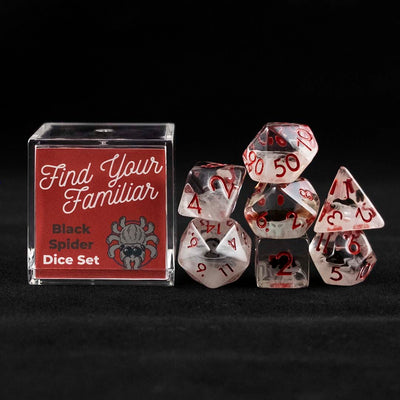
280	152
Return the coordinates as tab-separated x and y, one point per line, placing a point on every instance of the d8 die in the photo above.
279	211
211	191
280	152
214	253
342	258
282	264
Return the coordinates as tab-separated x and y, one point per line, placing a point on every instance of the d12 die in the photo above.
280	152
211	190
279	211
347	207
214	253
342	258
282	264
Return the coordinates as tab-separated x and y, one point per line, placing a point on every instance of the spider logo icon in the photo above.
130	241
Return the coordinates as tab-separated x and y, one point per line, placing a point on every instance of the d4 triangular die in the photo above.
346	207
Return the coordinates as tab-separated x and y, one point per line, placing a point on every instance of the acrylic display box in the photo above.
101	204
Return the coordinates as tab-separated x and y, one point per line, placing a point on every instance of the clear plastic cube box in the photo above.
101	204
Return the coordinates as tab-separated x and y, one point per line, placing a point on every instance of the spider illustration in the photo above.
132	241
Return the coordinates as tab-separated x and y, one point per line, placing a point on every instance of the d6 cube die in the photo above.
211	190
342	258
279	211
214	253
282	264
280	152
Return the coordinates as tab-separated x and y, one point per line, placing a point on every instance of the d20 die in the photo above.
282	264
279	211
211	190
342	258
214	253
280	152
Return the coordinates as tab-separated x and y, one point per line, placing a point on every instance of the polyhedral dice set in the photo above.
215	250
101	210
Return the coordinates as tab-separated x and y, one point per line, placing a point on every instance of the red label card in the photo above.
100	213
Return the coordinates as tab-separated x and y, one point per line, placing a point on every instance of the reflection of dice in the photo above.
282	263
280	152
342	258
211	190
214	253
280	211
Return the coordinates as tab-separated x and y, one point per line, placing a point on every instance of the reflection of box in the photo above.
101	206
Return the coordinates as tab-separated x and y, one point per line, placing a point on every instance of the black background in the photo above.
219	71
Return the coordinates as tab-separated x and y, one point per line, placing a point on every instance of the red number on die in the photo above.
201	267
259	163
291	165
262	221
194	204
371	214
216	178
293	215
338	277
282	271
223	270
303	136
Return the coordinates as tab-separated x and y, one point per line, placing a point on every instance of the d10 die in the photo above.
214	253
211	191
282	264
279	211
342	258
280	152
